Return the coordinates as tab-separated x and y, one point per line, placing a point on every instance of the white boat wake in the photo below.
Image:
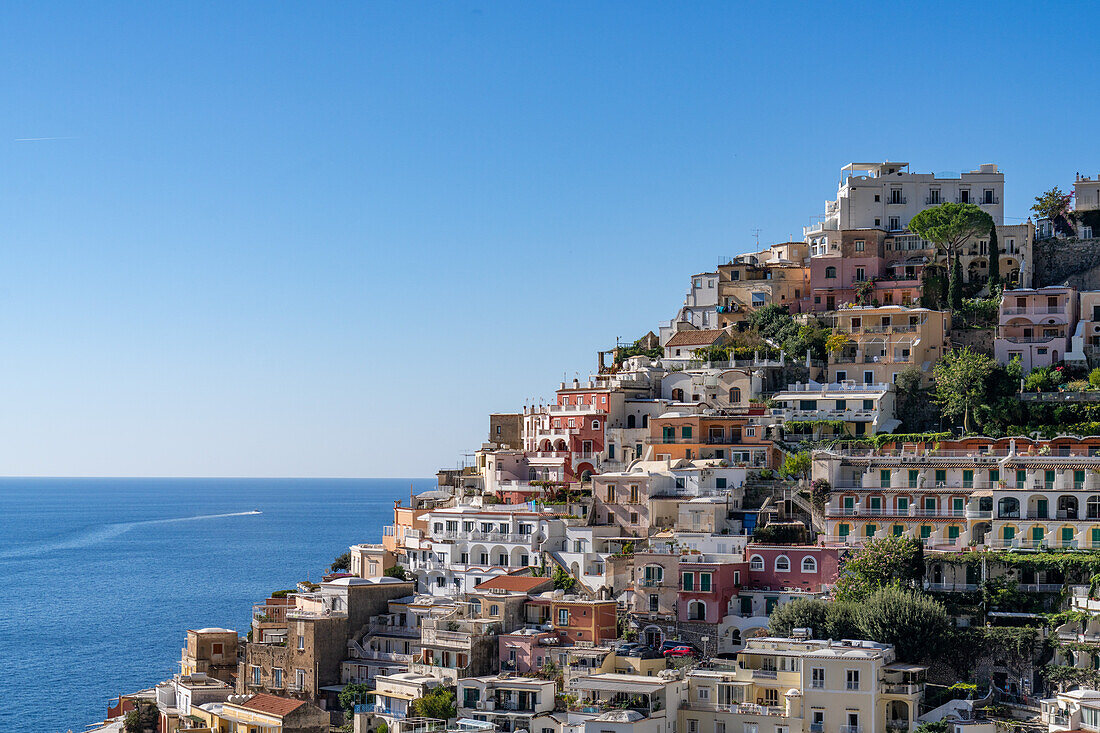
96	535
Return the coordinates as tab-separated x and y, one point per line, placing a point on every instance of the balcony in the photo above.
851	729
911	688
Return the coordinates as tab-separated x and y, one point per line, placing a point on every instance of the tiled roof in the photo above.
272	705
695	338
514	583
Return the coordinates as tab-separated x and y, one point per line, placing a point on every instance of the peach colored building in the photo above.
1036	325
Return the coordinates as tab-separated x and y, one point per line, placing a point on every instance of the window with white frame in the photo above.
595	424
704	693
853	679
817	678
756	563
563	617
809	564
782	564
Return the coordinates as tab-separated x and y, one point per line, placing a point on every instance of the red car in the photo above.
681	651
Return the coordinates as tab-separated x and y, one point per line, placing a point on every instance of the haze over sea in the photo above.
102	577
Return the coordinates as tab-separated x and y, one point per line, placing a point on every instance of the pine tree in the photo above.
994	258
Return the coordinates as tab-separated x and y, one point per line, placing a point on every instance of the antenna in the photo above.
756	233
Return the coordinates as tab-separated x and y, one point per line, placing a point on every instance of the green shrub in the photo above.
1094	377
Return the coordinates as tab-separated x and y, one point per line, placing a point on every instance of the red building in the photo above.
707	587
811	568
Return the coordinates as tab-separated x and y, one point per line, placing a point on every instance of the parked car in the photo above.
644	652
673	645
681	651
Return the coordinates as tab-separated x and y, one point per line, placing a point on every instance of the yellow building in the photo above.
886	340
264	712
805	686
777	275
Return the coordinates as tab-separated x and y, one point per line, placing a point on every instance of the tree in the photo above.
352	695
955	286
909	380
563	580
382	727
436	703
842	620
949	226
796	465
1053	205
994	258
836	343
801	613
342	562
891	561
938	726
962	382
397	571
916	625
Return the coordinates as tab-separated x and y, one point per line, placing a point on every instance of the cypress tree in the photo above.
994	258
955	286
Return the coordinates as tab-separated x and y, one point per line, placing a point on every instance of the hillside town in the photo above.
851	485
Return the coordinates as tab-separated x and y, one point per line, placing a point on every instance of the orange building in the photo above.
575	618
734	438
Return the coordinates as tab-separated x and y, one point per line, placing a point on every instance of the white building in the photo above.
886	196
470	545
865	409
699	308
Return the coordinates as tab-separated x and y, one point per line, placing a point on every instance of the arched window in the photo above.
735	395
830	273
756	563
782	564
809	564
1008	507
677	395
595	424
645	421
697	611
630	420
494	610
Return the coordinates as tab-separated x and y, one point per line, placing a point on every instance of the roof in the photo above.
264	703
516	583
695	338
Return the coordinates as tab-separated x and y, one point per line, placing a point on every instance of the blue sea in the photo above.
102	577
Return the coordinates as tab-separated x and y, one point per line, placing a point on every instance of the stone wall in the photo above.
1074	260
978	339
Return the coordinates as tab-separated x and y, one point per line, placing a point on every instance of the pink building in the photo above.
810	568
526	650
1036	325
706	587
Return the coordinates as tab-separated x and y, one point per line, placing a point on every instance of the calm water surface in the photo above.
102	577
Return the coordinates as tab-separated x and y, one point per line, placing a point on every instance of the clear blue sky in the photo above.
286	239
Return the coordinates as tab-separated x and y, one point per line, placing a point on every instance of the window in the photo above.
817	678
689	581
859	245
782	564
572	422
853	679
895	223
595	424
256	679
964	196
563	617
1090	718
704	693
494	610
719	483
301	642
756	563
988	195
861	274
278	672
735	394
610	496
634	517
704	582
693	726
830	273
809	565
